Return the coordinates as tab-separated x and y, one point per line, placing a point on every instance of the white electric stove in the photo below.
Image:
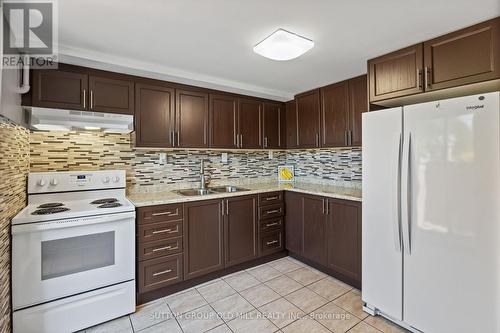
73	252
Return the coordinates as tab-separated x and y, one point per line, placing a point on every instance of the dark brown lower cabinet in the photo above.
326	232
343	232
313	217
240	228
203	238
159	272
293	222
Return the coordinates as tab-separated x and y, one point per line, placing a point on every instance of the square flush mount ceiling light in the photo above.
283	45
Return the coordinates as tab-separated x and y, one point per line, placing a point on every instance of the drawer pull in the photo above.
165	248
271	224
272	242
165	213
273	211
162	272
272	198
164	231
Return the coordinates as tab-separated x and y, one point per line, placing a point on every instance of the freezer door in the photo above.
451	215
381	233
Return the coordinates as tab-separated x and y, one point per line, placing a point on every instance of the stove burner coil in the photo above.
51	205
110	205
52	210
104	201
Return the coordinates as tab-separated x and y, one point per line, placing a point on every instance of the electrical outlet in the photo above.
271	154
163	159
224	158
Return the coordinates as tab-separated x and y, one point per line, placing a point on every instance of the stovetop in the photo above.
40	211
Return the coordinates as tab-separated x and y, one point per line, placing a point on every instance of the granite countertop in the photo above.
169	197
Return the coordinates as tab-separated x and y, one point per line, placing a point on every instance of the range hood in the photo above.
64	120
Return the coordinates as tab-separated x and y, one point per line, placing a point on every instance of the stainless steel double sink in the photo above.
190	192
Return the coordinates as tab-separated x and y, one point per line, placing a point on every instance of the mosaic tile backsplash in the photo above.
65	151
14	166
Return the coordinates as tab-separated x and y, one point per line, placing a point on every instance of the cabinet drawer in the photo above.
159	248
161	213
160	230
271	211
160	272
270	224
266	199
271	242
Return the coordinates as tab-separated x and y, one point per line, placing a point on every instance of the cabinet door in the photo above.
396	74
111	95
191	119
271	125
343	234
56	88
334	115
466	56
240	229
249	123
154	107
293	222
358	103
203	238
291	124
223	121
308	119
313	215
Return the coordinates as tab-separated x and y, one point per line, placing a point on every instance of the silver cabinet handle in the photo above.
237	141
162	272
346	140
156	232
172	138
419	79
265	142
317	139
323	207
241	140
273	211
84	98
227	207
164	248
327	207
272	224
222	207
164	213
178	139
427	80
350	138
272	242
91	99
272	198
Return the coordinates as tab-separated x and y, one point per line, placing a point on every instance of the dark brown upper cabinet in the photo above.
396	74
203	238
154	115
343	232
463	57
308	119
240	229
77	88
335	115
191	119
272	125
249	124
223	121
56	88
111	95
466	56
291	124
358	103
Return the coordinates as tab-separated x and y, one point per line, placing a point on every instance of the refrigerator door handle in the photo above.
397	193
406	195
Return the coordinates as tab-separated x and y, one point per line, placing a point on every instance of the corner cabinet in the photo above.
467	56
326	232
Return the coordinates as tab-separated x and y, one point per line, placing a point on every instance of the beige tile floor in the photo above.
284	295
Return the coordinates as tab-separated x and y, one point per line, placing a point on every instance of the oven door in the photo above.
55	259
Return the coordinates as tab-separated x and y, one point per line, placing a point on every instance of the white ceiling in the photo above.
209	42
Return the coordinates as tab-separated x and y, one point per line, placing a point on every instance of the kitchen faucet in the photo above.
203	177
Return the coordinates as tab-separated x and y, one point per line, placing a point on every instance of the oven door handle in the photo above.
71	223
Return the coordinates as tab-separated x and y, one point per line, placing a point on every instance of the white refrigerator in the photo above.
431	215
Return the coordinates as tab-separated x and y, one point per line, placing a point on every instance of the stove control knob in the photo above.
41	182
105	180
116	179
54	182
